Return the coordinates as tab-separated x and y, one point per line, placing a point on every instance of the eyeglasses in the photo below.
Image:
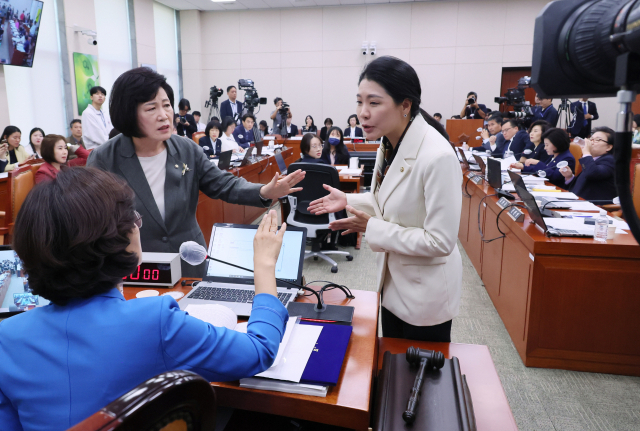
599	140
316	146
138	219
506	130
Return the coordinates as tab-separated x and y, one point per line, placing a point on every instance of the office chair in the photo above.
316	175
175	400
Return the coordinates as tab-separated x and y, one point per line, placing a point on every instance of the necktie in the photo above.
585	108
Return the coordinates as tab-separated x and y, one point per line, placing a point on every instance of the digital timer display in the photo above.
148	272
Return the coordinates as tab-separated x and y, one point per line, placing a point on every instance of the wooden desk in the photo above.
568	303
294	144
490	404
455	128
347	404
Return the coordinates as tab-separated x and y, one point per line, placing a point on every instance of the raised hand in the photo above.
266	248
357	223
282	185
334	201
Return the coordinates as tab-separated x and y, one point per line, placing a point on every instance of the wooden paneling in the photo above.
474	245
492	254
457	128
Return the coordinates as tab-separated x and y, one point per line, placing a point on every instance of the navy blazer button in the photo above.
165	239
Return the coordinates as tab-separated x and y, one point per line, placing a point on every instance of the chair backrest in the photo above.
21	181
317	174
196	137
175	400
576	151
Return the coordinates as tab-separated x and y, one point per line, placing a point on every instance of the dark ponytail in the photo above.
401	82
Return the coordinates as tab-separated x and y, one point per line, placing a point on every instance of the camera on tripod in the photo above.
284	110
251	98
214	93
515	97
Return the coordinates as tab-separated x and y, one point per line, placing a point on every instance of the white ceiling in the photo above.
207	5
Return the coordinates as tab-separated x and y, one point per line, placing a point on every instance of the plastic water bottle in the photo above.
507	154
488	153
602	225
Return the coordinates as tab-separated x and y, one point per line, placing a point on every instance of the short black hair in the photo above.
276	100
558	138
328	120
610	135
227	122
544	126
97	88
194	113
437	114
132	88
213	125
472	93
248	115
495	117
48	146
184	105
10	130
74	121
113	133
230	87
305	143
510	121
65	259
353	116
215	119
264	123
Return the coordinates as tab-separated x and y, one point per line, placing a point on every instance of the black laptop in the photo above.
527	198
480	162
494	178
259	146
225	160
246	160
281	164
465	162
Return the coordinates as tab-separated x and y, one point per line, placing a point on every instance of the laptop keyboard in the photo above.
210	293
566	232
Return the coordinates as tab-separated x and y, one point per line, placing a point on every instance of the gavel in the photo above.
428	360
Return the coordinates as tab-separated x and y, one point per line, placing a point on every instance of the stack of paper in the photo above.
354	172
505	163
555	195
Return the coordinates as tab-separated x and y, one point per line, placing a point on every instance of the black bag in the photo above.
445	401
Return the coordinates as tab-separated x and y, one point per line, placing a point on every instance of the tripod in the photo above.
564	114
214	111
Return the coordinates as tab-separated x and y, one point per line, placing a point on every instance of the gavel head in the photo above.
434	359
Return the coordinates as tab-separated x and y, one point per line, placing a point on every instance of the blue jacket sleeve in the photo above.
593	170
8	415
220	354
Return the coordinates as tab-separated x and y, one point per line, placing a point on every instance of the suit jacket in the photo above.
347	132
242	137
3	164
210	150
21	156
538	153
414	228
83	355
226	111
468	111
342	154
553	173
181	190
596	181
189	130
294	130
499	151
517	144
578	127
48	172
550	115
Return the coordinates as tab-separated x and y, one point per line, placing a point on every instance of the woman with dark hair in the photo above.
309	126
210	142
352	131
311	149
186	125
264	128
77	237
556	144
17	153
597	179
335	151
328	123
55	152
534	152
167	171
228	141
35	141
412	216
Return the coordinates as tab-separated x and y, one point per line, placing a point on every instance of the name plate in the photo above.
503	203
516	214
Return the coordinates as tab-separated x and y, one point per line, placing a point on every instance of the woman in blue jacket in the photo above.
78	236
556	144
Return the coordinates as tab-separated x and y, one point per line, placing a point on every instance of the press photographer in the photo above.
279	115
186	125
472	110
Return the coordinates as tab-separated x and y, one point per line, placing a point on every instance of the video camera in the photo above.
586	48
515	97
284	110
214	94
251	99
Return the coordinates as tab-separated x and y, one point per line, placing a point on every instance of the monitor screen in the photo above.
234	244
15	294
19	29
528	200
494	173
463	158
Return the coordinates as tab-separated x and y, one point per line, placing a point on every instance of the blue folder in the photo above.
325	362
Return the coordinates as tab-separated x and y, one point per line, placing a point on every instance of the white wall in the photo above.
311	56
164	22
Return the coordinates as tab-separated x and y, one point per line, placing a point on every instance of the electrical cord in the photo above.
466	193
498	223
330	286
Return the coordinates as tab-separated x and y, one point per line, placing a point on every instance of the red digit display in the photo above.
152	273
146	275
137	274
155	274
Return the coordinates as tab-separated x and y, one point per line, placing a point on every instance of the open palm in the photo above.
333	202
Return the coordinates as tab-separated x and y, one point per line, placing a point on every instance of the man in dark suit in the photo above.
243	134
516	140
292	129
583	113
545	111
492	138
230	107
473	110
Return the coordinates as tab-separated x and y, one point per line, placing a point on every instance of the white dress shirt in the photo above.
201	127
96	126
352	133
229	143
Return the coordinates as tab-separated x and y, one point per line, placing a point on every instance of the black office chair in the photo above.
317	225
175	400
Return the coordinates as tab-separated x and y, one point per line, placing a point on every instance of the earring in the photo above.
405	115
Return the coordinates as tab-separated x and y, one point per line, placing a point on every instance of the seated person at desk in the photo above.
17	153
264	129
516	140
91	346
596	181
311	148
243	134
292	129
556	144
210	142
55	154
472	110
328	123
309	126
544	110
492	138
534	152
4	149
334	151
227	139
353	131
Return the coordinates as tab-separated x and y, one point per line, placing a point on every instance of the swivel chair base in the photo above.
323	255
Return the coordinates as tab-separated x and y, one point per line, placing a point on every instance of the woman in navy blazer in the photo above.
311	148
335	151
596	181
65	361
210	142
556	144
352	131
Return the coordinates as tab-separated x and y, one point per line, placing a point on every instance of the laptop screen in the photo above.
463	158
528	200
15	294
494	173
281	164
480	162
234	244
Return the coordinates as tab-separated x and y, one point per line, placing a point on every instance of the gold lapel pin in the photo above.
177	167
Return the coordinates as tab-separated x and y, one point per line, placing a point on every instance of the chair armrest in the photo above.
611	207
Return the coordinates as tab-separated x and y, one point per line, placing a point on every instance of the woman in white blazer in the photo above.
411	218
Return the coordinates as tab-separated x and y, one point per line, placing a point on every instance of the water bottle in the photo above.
488	153
602	225
507	154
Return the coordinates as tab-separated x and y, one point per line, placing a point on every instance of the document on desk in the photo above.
296	354
354	172
293	321
581	205
505	163
571	223
556	195
582	216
